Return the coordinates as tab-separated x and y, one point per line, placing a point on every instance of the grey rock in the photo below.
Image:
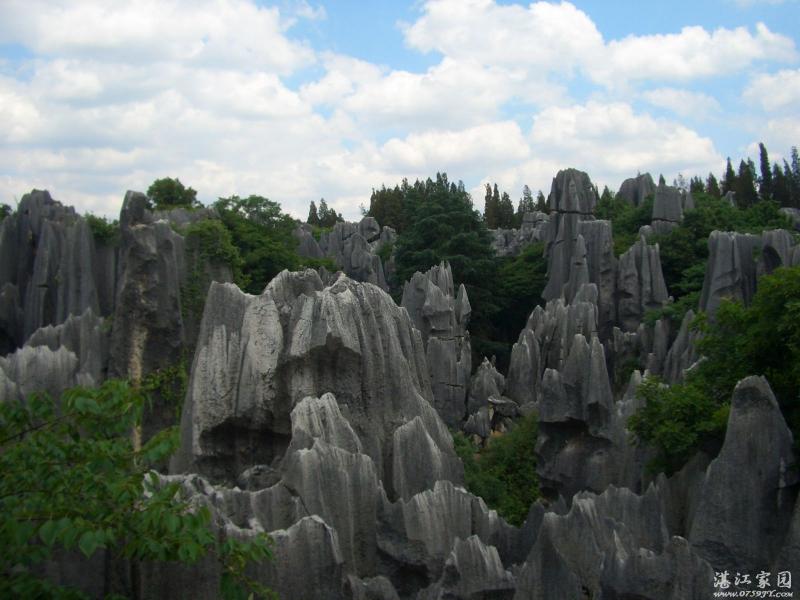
306	243
375	588
442	316
353	247
471	571
730	270
745	505
793	214
636	189
667	208
486	382
612	545
640	284
510	242
682	354
259	356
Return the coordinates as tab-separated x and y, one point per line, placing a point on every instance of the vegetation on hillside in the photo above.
760	339
74	480
504	472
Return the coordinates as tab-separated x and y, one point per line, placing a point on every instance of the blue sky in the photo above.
298	100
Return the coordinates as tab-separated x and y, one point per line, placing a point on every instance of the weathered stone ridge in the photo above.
636	189
442	317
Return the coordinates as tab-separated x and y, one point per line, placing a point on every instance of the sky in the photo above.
298	100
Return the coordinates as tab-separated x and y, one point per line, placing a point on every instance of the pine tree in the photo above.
781	190
506	212
746	194
696	185
661	180
541	203
606	197
490	208
729	180
765	183
712	186
313	216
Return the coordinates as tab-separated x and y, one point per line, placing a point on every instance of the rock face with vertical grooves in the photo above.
572	199
636	189
745	501
736	260
47	268
612	545
442	317
510	242
352	246
640	284
259	356
667	208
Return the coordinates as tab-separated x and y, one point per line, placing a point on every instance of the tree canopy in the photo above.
169	193
74	480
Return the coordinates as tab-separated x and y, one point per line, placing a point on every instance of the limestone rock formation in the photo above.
736	260
442	317
667	208
510	242
636	189
352	246
612	545
745	501
640	284
47	268
259	356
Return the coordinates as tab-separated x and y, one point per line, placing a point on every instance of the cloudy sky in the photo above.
298	100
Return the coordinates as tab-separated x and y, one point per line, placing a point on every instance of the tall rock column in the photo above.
442	316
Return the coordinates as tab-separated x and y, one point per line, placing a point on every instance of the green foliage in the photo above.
675	420
73	480
385	252
684	250
762	339
5	210
386	205
170	193
103	231
626	219
262	233
504	472
518	289
328	217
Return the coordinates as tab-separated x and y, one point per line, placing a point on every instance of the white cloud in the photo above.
776	91
612	142
683	103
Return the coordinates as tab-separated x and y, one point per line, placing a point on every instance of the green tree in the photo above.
696	185
781	187
73	480
169	193
541	203
5	210
263	235
505	216
761	339
712	186
328	217
386	205
491	208
729	182
745	189
504	472
313	217
765	182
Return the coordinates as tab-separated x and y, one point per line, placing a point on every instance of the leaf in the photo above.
88	543
48	532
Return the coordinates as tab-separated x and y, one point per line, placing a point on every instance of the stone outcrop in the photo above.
442	316
636	189
510	242
47	268
258	356
745	501
353	247
640	284
613	545
736	260
667	208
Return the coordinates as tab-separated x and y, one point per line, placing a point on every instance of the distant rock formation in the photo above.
442	317
640	284
353	247
510	242
667	208
636	189
736	260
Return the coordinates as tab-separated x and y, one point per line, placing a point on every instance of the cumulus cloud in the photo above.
223	94
683	103
775	91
